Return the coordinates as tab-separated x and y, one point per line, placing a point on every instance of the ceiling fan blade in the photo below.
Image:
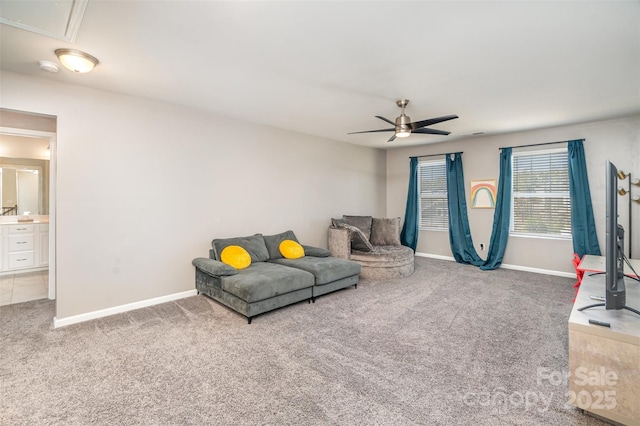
430	131
431	121
374	131
386	119
392	138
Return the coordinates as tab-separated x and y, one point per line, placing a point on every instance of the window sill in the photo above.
541	237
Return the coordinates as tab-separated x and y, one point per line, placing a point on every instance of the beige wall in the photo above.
23	147
143	187
31	121
617	140
9	188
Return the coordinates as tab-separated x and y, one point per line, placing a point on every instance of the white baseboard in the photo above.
505	266
435	256
120	309
540	271
23	271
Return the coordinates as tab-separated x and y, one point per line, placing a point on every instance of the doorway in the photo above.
32	153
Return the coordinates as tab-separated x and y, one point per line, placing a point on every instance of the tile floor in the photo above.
18	288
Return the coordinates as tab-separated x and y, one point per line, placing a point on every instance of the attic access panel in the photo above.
59	19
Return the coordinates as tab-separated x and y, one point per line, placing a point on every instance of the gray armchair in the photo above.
372	242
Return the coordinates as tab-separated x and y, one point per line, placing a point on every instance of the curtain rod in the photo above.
539	144
435	155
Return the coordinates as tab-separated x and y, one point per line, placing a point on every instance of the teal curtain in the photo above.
583	228
409	234
459	232
502	214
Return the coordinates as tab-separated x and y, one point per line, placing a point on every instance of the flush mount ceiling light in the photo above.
76	60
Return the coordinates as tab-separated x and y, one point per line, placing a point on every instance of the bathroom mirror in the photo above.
24	175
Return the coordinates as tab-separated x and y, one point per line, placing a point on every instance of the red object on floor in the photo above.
579	274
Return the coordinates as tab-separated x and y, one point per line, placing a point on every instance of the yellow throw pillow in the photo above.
291	250
236	257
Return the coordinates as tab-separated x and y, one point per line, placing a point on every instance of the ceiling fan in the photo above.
403	126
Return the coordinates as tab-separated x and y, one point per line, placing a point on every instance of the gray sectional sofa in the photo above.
271	281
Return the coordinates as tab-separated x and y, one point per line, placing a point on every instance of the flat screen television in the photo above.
615	291
615	295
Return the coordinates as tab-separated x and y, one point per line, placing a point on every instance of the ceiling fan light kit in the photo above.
403	127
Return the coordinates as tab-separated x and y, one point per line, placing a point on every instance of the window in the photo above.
432	178
540	194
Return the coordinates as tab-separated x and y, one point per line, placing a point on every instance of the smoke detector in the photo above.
48	66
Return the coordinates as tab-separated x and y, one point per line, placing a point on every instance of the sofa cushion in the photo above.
254	245
385	231
236	257
212	267
273	243
361	222
336	221
264	280
315	251
291	249
359	241
324	269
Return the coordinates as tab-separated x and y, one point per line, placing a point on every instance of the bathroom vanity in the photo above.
24	246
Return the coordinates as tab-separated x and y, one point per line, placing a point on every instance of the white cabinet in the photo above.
43	249
24	247
20	246
21	260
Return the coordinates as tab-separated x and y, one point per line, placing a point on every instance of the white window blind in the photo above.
540	193
432	178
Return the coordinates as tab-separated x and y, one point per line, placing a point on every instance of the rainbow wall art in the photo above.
483	194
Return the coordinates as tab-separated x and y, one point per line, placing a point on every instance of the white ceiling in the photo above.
327	68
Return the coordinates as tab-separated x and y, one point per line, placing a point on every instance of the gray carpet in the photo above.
449	345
